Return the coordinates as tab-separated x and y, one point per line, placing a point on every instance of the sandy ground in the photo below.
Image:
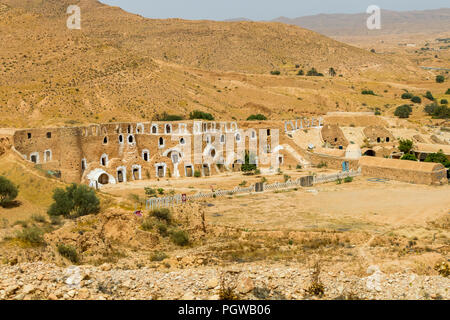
358	205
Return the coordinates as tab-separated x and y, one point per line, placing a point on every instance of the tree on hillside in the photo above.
429	96
441	158
409	156
313	73
248	164
167	117
196	114
8	191
440	79
257	117
368	92
406	146
332	72
407	96
75	201
403	111
416	99
437	111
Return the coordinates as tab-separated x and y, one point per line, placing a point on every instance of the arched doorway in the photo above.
103	179
370	153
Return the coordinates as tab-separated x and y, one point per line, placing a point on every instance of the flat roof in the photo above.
401	164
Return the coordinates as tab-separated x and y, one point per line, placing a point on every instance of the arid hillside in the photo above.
122	66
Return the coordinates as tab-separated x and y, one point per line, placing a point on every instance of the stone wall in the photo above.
406	171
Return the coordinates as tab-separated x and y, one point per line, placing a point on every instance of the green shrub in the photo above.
162	214
180	238
21	223
8	191
68	252
38	218
429	96
313	73
368	92
248	165
348	179
416	99
431	108
448	91
150	192
162	228
438	157
167	117
407	96
301	73
403	111
444	101
196	114
197	174
442	112
437	111
440	79
147	224
332	72
74	201
33	235
406	145
299	167
275	72
158	256
409	157
257	117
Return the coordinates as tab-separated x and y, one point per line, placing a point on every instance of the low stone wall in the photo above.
401	170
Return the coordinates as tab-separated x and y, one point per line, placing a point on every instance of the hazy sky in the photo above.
262	9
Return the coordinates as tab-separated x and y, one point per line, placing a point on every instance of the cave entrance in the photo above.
103	179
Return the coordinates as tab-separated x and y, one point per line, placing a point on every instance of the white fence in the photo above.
336	176
308	181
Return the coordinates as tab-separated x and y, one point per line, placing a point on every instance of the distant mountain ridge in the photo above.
392	22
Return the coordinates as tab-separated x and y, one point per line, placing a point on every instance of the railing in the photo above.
336	176
308	181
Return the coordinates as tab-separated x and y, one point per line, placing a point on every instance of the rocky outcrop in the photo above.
5	144
258	282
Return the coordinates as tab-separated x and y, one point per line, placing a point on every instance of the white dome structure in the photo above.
353	151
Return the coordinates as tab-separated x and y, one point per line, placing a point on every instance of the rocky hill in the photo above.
121	66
